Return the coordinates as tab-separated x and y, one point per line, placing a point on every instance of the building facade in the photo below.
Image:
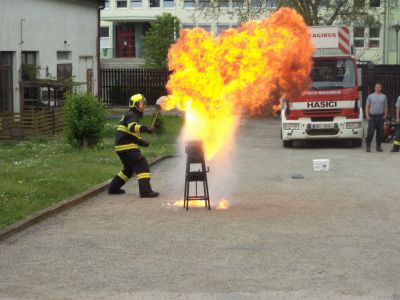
379	43
59	37
124	22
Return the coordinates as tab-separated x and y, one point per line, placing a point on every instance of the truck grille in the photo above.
315	132
322	119
318	112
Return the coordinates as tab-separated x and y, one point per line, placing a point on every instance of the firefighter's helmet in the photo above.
136	101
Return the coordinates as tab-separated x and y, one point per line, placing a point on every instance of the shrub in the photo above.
84	119
158	38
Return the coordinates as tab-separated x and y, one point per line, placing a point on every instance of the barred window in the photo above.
359	37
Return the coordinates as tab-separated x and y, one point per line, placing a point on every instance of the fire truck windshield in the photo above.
333	74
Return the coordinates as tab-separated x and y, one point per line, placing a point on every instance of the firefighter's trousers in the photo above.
396	141
133	162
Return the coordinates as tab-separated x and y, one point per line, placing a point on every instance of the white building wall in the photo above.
48	26
113	15
147	13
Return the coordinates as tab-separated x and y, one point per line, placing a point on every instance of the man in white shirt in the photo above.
376	112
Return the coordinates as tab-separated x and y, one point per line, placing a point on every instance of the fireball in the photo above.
252	67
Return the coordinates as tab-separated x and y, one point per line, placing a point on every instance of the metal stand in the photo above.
195	155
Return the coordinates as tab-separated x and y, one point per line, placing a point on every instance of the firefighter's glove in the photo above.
146	144
150	130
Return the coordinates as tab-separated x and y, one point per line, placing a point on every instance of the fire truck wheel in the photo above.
287	144
356	142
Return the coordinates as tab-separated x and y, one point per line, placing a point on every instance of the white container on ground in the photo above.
321	165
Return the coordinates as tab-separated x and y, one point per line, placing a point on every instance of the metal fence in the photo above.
117	85
388	76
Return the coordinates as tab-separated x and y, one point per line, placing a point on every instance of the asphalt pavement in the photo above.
330	235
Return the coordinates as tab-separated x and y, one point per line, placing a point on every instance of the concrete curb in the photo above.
61	206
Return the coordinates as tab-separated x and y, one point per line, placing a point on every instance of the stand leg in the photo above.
207	195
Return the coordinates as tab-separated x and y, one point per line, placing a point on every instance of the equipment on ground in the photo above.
195	159
389	130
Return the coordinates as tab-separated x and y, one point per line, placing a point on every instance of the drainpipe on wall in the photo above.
19	70
396	27
385	32
98	49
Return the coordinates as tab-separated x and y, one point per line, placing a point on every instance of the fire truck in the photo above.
331	108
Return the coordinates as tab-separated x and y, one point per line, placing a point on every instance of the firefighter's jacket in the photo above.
128	135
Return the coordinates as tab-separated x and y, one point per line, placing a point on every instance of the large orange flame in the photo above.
249	67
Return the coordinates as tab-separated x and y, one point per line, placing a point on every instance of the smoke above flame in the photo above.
249	68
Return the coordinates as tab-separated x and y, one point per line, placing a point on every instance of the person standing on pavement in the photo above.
128	138
396	143
376	112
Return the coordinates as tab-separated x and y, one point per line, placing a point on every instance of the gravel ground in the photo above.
331	235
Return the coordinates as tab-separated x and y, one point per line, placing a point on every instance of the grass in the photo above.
38	173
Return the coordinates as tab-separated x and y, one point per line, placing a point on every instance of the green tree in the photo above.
314	12
157	40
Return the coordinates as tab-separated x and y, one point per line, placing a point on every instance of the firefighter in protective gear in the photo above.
127	141
396	142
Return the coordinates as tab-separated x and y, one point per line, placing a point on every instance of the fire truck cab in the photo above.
331	108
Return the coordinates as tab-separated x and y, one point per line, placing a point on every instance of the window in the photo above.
107	4
203	3
63	55
359	37
374	3
6	81
256	3
29	71
221	28
374	37
188	26
104	32
188	4
64	71
122	3
154	3
206	27
224	4
333	73
6	58
359	3
169	4
238	3
28	58
136	3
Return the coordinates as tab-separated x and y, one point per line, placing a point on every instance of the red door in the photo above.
125	40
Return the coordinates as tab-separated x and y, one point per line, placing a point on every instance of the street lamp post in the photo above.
396	27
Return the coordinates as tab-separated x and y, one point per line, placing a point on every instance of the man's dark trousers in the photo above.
375	123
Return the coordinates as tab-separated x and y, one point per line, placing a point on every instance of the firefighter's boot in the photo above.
396	148
145	189
368	148
379	148
115	186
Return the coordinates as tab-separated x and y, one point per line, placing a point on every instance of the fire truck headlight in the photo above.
354	125
291	126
